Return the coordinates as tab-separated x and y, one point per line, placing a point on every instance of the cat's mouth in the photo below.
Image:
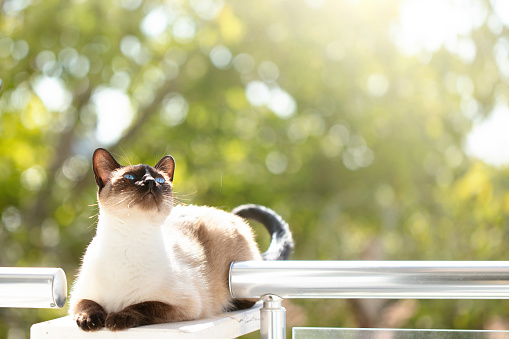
149	195
150	199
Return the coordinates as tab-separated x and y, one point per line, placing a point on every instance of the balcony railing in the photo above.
32	287
371	279
274	281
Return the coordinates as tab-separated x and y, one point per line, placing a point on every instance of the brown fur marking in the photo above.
225	238
144	313
90	315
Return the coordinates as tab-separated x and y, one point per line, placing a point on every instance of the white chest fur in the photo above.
132	260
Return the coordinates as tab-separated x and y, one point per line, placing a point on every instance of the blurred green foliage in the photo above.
309	107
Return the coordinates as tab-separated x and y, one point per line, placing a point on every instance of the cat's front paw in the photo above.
90	315
91	322
122	320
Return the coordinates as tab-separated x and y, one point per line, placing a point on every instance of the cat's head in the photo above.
135	188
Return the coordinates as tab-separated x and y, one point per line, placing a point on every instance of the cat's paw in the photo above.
90	316
91	321
122	320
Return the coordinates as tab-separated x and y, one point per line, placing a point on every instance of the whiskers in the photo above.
94	217
181	199
124	157
128	200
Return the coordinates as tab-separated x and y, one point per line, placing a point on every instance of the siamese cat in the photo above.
152	262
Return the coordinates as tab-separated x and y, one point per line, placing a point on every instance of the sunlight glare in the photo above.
488	139
428	25
156	22
114	114
53	93
501	8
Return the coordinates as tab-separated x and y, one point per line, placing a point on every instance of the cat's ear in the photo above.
166	165
103	164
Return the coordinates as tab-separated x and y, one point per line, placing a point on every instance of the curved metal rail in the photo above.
32	287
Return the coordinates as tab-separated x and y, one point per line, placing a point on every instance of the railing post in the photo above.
272	318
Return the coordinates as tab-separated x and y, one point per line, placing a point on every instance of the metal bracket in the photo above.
272	318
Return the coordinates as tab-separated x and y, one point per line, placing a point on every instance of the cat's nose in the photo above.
149	180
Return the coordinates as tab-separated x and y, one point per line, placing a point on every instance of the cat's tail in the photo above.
281	244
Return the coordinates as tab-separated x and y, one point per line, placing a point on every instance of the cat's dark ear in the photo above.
103	164
166	165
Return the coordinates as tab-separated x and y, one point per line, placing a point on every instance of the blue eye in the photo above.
160	180
129	176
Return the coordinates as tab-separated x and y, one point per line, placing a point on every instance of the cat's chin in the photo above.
146	208
149	202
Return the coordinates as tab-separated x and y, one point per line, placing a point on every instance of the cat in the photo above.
152	262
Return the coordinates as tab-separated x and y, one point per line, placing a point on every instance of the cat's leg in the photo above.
144	313
90	316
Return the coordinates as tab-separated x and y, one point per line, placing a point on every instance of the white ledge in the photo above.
227	325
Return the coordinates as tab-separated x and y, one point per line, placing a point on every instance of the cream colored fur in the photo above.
179	258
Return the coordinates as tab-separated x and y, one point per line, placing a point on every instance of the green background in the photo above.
308	107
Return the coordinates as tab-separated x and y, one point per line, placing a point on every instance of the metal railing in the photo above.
32	287
274	280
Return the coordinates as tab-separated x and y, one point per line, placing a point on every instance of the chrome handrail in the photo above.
32	287
371	279
274	280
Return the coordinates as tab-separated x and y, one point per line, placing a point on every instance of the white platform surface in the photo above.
227	325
